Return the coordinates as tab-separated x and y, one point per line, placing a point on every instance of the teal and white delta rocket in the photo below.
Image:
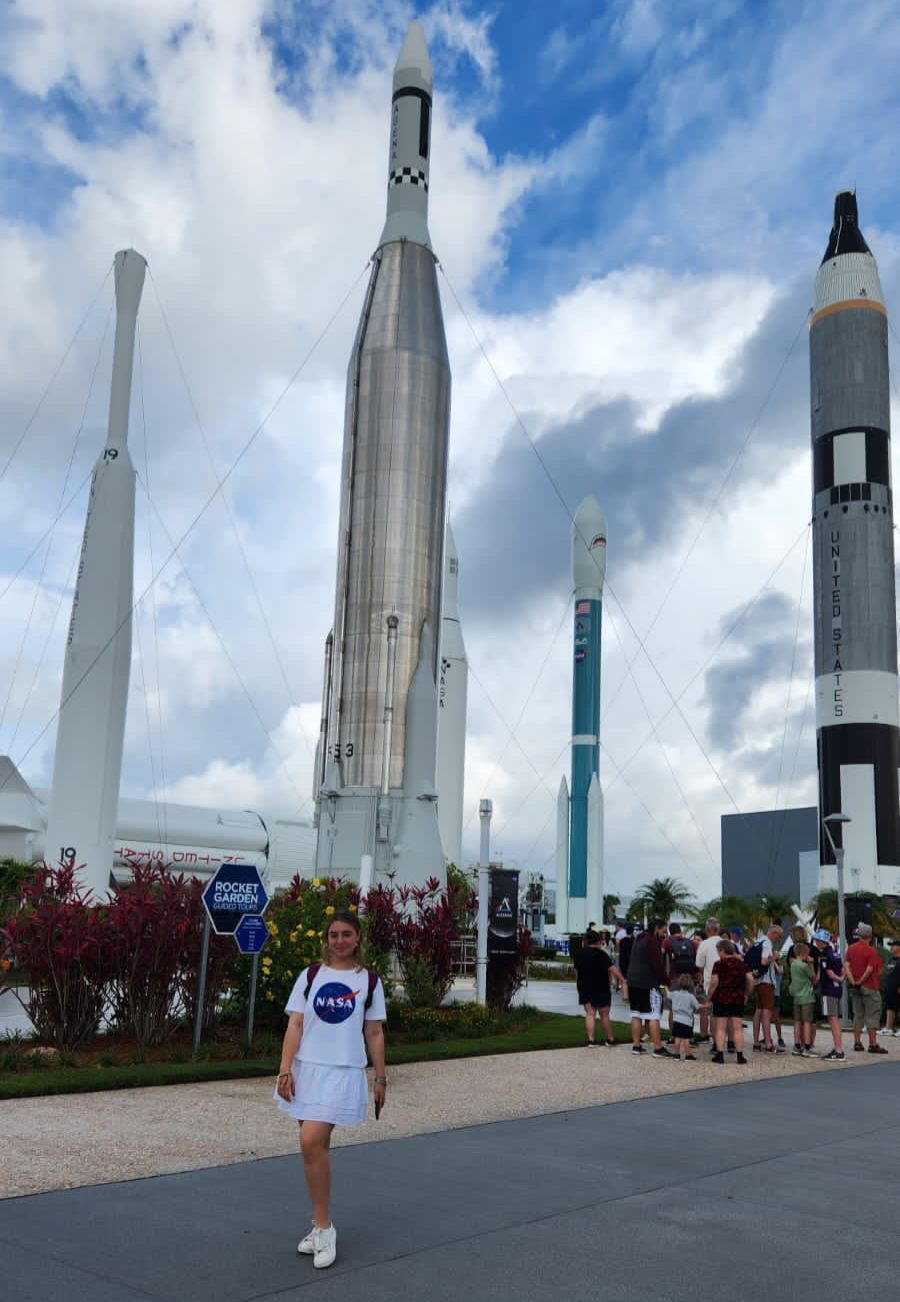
579	841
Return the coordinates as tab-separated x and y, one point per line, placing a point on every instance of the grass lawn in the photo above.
542	1031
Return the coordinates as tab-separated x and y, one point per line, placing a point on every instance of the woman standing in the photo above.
593	967
335	1011
729	988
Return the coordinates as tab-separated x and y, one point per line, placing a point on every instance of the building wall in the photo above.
761	851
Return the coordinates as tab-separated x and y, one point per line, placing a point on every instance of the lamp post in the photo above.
485	809
839	863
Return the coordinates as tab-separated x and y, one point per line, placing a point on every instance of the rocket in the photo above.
377	795
453	688
855	617
579	841
87	767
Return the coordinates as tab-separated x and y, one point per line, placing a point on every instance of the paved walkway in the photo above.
696	1195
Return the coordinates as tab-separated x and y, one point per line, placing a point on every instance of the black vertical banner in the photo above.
503	918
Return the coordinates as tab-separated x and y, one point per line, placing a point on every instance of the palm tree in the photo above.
732	911
610	904
660	899
825	905
778	908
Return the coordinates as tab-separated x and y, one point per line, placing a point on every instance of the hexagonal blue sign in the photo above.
237	889
251	933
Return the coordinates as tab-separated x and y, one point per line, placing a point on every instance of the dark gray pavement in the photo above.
697	1196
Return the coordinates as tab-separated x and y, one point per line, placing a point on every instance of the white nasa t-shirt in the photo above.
333	1015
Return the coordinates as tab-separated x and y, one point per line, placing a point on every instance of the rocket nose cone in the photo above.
589	517
846	237
413	63
451	552
589	545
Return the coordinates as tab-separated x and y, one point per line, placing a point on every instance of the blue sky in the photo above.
629	198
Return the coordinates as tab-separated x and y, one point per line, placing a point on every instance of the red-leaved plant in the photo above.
157	922
63	941
424	934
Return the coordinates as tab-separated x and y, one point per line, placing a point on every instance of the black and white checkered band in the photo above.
408	176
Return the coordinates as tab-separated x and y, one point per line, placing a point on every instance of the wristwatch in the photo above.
381	1080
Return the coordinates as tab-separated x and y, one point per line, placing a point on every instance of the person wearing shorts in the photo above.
593	969
705	960
646	977
864	965
685	1004
729	988
765	988
803	992
831	986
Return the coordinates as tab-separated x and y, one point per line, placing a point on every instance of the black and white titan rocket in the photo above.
855	617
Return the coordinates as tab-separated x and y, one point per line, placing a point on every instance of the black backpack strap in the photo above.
373	982
311	973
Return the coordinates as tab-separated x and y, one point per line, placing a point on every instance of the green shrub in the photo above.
551	972
423	987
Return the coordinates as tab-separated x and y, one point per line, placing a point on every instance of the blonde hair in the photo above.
799	933
686	982
344	915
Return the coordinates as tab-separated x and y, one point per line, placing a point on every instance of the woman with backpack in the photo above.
335	1012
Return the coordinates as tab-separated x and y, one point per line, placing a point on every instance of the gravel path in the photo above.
83	1139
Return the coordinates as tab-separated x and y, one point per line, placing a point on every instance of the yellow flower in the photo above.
273	928
329	910
315	881
293	937
269	994
312	933
352	908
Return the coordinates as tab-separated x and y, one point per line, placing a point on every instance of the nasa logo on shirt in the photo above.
334	1002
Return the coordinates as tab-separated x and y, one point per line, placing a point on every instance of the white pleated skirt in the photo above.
339	1095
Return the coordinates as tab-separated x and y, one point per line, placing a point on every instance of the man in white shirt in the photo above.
763	971
705	960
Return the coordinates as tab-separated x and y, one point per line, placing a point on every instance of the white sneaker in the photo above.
307	1244
884	1031
897	1034
325	1242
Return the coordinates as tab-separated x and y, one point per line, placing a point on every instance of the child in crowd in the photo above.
803	979
684	1005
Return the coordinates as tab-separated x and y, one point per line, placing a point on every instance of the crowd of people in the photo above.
710	976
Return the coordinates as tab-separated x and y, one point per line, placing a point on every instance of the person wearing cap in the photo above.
892	990
831	985
864	965
737	939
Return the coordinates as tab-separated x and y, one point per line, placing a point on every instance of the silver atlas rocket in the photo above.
81	820
376	795
579	810
855	615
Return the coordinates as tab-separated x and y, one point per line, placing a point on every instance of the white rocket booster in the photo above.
91	730
452	696
562	858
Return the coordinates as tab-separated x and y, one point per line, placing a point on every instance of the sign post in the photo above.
235	901
251	934
201	988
